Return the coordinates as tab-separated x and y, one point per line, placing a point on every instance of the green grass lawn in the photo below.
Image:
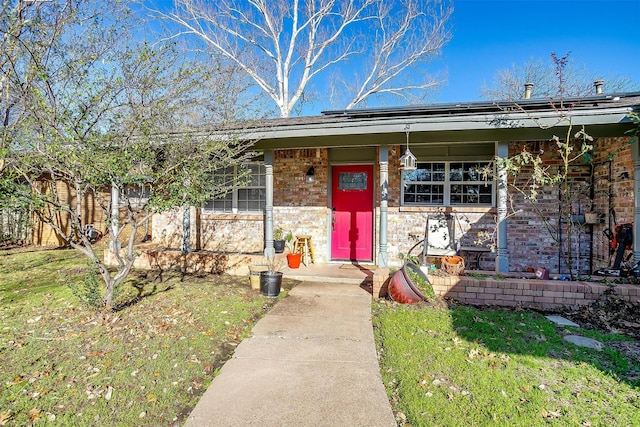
461	366
62	363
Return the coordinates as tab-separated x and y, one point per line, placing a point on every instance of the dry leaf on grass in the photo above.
4	418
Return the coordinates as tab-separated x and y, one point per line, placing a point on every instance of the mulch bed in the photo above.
612	314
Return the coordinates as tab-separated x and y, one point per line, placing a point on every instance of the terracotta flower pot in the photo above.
401	290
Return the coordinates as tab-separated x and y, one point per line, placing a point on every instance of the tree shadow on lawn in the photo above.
143	284
145	287
526	332
148	283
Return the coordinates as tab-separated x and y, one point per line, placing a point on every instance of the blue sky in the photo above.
489	35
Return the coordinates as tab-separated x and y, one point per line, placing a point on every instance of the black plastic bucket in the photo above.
270	283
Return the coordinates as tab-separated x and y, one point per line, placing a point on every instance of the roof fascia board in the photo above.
439	137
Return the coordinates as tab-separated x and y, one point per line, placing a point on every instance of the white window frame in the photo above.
138	195
208	207
448	183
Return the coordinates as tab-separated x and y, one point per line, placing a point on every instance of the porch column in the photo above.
269	251
502	260
635	154
186	229
384	184
115	213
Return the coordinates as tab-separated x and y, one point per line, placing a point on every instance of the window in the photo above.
249	198
355	181
138	195
447	184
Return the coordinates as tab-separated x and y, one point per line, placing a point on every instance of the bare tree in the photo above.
284	45
508	83
531	175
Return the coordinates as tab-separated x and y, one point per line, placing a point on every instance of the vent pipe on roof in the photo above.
527	90
598	84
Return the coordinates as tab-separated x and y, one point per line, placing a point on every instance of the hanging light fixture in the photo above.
407	160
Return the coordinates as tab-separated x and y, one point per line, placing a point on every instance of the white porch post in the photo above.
635	154
115	220
384	183
269	251
502	259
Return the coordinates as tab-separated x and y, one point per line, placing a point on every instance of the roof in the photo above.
449	122
596	101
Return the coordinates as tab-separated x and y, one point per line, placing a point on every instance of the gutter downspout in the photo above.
269	250
502	260
384	183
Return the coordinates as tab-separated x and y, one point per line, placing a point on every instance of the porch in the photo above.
474	287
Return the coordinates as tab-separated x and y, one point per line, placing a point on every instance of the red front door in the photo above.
352	213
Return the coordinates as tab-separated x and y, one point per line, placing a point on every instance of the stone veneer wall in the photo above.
298	207
225	232
406	227
311	221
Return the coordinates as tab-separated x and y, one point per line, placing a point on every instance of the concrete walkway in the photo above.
310	362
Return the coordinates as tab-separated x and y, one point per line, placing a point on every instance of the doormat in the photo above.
358	266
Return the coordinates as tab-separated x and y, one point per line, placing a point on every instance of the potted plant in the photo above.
278	240
293	257
271	279
410	285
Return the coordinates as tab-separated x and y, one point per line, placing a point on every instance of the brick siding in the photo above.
303	209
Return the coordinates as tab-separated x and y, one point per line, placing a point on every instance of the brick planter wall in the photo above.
546	295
